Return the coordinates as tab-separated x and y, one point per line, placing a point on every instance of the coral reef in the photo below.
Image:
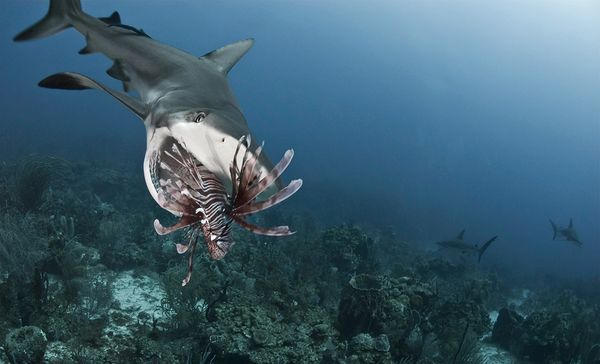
565	329
84	278
32	179
26	344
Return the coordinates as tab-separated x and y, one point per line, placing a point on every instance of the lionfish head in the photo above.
189	189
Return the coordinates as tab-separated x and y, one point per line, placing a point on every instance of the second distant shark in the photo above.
459	243
566	233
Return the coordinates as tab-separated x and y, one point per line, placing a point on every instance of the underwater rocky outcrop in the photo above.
26	345
563	330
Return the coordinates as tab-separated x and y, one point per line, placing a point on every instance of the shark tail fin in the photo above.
554	229
54	21
485	246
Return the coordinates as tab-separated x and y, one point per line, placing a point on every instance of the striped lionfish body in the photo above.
188	188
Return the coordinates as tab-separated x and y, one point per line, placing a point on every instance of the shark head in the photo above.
571	235
212	136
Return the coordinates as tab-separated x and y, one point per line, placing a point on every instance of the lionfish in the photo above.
205	206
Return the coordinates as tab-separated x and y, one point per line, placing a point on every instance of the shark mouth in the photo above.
188	188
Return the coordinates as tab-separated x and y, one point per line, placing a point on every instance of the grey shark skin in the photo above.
195	129
566	233
459	244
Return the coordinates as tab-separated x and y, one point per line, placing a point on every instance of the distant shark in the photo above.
200	162
459	244
568	233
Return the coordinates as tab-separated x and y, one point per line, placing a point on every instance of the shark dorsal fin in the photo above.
571	223
133	29
114	18
461	235
226	57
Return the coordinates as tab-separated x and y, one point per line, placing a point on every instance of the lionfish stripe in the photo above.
272	231
268	180
277	198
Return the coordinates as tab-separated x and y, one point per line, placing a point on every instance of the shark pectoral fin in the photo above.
461	235
76	81
226	57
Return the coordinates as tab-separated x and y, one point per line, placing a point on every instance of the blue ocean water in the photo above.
426	117
432	117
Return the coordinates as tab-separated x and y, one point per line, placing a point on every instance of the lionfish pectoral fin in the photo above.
277	198
183	222
272	231
169	203
250	193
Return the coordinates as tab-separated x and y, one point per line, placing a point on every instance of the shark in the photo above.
566	233
201	162
458	243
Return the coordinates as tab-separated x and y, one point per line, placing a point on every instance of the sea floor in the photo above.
84	278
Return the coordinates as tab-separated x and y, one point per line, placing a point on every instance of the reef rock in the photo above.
366	349
508	329
362	342
361	305
137	299
26	345
58	353
382	343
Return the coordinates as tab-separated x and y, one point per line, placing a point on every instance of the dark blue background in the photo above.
428	116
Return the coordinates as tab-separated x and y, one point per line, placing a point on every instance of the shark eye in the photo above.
200	117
